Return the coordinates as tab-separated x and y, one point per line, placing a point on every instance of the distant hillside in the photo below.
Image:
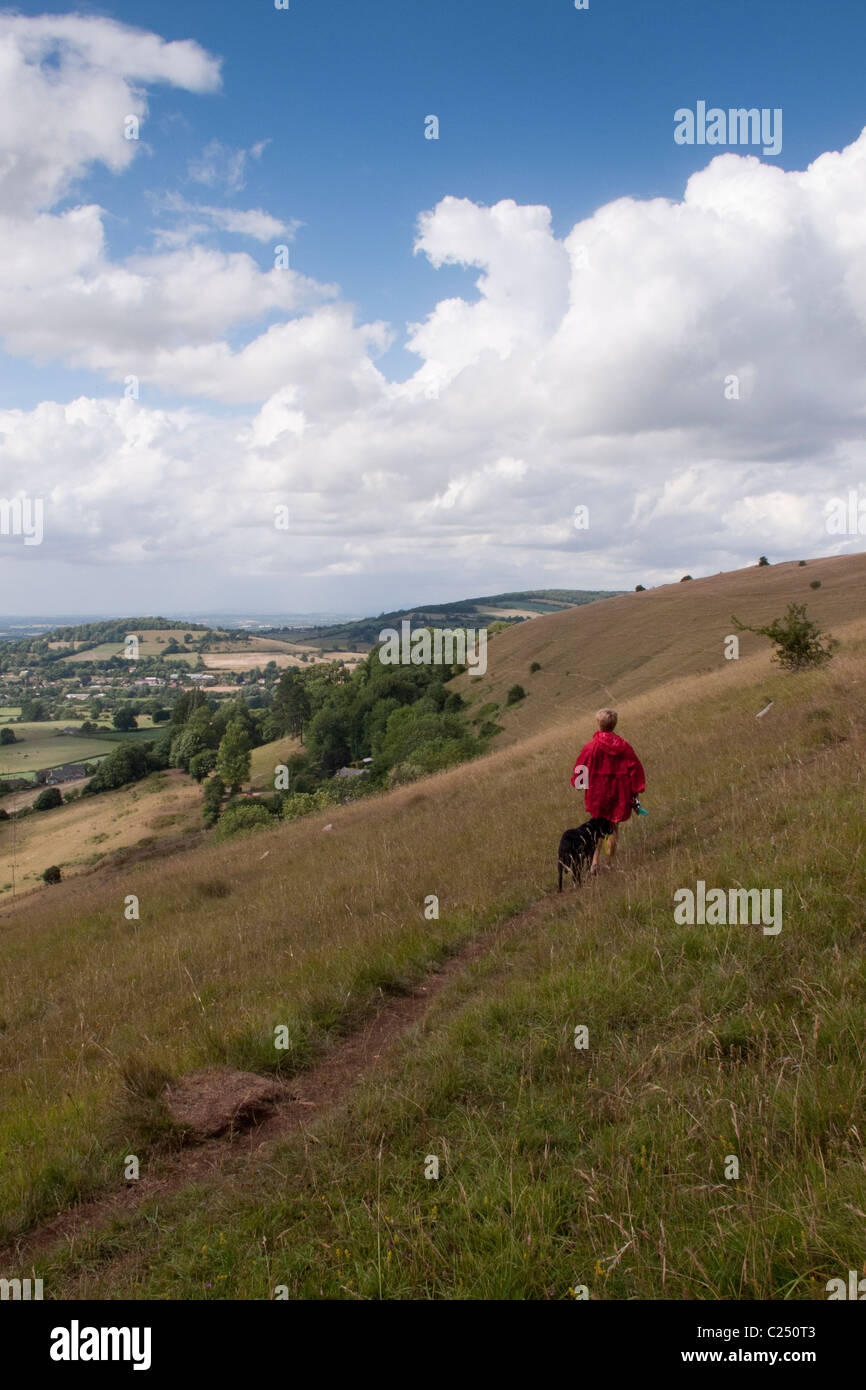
611	652
469	612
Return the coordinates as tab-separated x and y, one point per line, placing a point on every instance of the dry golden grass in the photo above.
247	660
74	836
611	650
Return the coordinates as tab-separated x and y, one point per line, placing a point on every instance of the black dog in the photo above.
577	847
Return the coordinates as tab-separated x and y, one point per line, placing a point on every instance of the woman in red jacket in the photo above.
610	771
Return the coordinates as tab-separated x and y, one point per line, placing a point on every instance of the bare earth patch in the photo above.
209	1102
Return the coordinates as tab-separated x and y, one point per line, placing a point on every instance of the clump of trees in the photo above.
799	642
127	762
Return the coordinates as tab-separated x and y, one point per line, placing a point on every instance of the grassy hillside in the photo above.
603	1167
609	652
77	836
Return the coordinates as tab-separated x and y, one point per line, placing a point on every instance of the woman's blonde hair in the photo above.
606	719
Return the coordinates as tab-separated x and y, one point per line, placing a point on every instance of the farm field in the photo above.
247	660
152	641
8	713
50	751
42	745
276	644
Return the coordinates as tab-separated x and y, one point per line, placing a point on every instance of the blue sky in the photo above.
539	105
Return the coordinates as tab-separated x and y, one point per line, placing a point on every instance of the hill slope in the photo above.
603	1167
608	652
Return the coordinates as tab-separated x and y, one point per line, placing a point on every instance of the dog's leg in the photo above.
593	868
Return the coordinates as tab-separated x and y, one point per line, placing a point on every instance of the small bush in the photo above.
52	875
684	578
536	666
242	820
798	641
48	799
801	563
763	561
306	803
640	588
816	584
515	693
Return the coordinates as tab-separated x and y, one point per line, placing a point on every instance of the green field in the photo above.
43	746
20	758
8	713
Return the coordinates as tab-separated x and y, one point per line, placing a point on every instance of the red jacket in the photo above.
613	776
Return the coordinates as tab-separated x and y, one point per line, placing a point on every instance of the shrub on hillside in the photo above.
214	791
7	736
763	561
52	874
798	641
48	799
801	563
515	693
242	819
684	578
305	803
536	666
640	588
816	584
